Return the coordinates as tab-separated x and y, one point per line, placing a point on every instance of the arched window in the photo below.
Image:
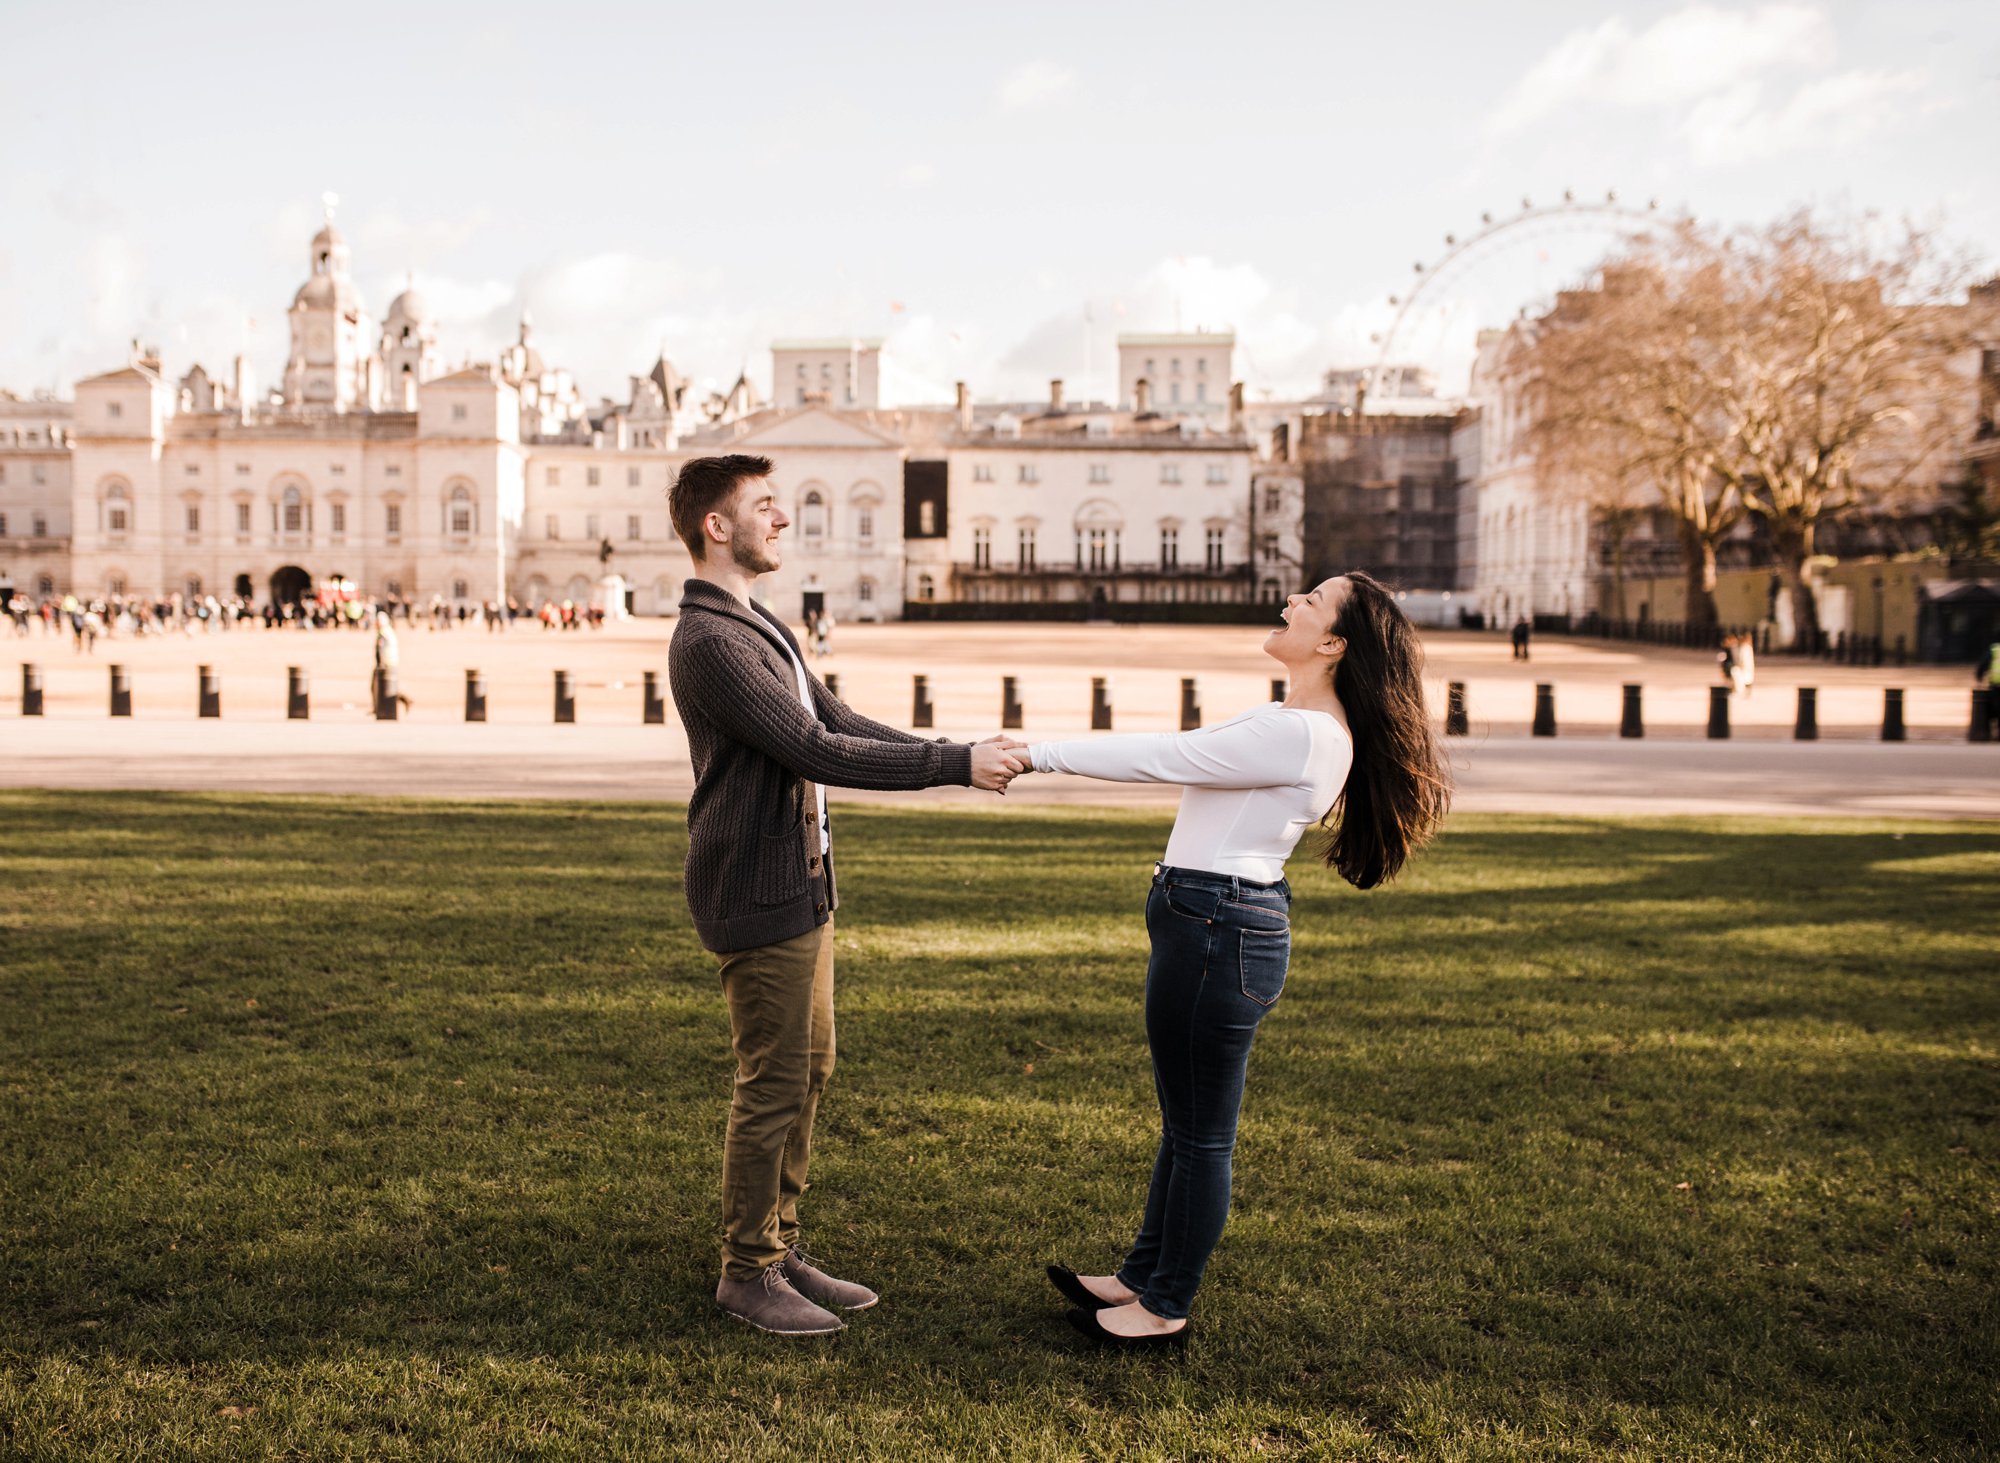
865	591
293	506
812	515
459	511
926	588
117	510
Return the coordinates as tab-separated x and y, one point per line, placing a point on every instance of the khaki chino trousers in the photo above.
781	1026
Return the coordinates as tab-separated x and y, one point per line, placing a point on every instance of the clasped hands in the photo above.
997	761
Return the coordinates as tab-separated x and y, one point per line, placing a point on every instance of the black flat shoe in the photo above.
1074	1290
1089	1325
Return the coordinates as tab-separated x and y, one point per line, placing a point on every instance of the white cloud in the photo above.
1034	83
1834	111
1696	51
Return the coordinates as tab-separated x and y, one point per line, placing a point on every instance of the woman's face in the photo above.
1309	618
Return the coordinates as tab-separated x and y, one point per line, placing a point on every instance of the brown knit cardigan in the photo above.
754	873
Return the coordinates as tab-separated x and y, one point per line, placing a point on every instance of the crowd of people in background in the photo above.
84	620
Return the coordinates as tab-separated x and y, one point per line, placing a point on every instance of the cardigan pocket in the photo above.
780	874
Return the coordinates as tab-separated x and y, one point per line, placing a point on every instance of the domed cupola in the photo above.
409	350
324	372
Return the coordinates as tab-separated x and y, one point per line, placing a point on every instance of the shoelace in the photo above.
799	1254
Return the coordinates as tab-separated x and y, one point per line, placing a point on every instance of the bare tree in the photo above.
1626	408
1851	369
1790	374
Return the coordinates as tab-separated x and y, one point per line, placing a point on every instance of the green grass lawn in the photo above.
348	1128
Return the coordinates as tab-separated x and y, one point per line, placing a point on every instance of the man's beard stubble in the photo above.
752	555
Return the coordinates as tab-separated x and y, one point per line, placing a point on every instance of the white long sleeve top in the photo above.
1252	785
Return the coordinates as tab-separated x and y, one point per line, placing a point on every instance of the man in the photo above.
766	737
1986	675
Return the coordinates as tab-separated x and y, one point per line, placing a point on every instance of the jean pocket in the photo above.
1189	903
1263	956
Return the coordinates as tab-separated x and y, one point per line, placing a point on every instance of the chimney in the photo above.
964	408
1056	395
1142	396
245	396
1236	406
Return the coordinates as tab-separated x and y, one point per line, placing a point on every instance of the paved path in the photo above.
1572	775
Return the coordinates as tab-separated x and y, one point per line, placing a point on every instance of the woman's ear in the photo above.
1333	647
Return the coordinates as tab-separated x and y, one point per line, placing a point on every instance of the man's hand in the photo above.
997	761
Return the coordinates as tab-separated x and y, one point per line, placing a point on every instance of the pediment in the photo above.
814	427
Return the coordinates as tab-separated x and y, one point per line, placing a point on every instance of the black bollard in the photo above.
1545	710
1454	710
1100	703
121	691
1632	721
1981	729
1277	688
31	690
922	713
298	694
211	692
1718	713
655	713
833	683
1190	706
475	695
386	698
1892	715
1806	727
565	698
1010	704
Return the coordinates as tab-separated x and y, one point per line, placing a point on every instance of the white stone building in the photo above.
1180	373
845	373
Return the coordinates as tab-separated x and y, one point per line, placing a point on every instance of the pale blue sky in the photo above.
706	180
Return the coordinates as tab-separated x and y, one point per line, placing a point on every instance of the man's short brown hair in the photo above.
703	486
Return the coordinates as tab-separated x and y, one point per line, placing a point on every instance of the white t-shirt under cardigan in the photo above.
1252	784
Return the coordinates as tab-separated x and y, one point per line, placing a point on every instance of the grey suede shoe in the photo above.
816	1285
770	1304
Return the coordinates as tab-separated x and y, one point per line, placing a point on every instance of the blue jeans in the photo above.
1221	946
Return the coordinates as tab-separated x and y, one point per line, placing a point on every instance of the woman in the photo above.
1351	743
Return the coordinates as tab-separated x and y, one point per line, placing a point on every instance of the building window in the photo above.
1218	473
926	588
632	473
982	548
45	586
337	469
1030	473
461	512
193	518
339	517
191	469
117	517
458	411
295	511
1268	547
3	525
193	586
1100	554
1268	592
1274	498
864	524
38	474
982	472
114	410
865	591
1201	391
1201	366
1170	472
1174	391
116	584
812	517
459	589
1214	551
551	528
926	518
1170	548
590	476
1174	366
39	526
243	469
1100	472
555	477
242	517
590	526
393	470
1024	548
392	520
632	527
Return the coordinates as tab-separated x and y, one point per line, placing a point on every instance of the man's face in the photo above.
754	521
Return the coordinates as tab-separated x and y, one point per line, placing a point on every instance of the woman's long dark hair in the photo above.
1398	789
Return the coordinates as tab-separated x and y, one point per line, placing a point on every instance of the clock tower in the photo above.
325	371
